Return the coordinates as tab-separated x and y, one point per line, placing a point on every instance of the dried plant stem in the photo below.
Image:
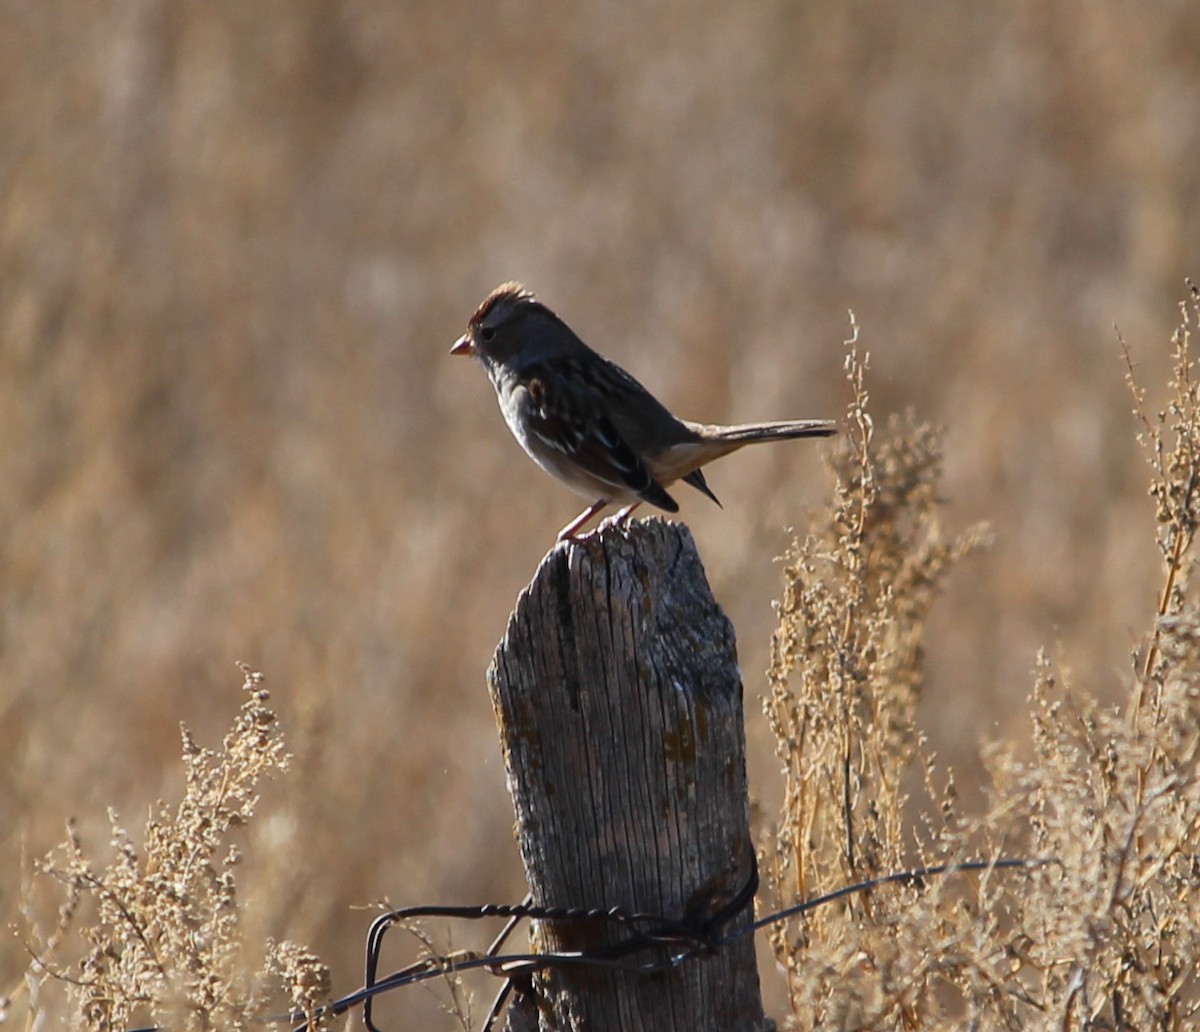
1174	564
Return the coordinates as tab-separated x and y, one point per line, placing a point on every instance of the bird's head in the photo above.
510	321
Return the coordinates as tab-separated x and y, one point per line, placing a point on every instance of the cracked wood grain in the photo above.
619	703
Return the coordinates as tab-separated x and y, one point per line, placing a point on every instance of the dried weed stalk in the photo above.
1172	444
1111	935
164	943
1106	936
846	672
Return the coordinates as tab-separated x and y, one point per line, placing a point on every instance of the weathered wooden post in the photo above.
619	704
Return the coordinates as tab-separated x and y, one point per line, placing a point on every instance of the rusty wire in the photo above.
702	932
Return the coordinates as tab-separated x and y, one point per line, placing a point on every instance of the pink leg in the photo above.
569	530
618	518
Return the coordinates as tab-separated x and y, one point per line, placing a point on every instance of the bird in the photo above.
589	423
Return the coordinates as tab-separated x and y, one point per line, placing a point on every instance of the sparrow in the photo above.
590	424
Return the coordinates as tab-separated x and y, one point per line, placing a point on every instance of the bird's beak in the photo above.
463	346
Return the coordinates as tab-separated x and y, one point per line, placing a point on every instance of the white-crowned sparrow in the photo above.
588	422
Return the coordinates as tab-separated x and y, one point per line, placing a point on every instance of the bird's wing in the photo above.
569	414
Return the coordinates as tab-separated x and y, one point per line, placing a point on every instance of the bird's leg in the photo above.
623	515
569	530
618	518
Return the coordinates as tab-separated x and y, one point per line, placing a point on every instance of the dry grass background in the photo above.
236	241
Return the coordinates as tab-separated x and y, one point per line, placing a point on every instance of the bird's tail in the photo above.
684	460
749	433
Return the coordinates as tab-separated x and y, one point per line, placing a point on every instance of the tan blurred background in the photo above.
236	241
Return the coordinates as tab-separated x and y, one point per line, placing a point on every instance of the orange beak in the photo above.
463	346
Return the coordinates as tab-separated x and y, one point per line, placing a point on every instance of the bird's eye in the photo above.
487	333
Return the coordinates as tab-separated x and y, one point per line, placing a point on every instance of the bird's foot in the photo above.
579	522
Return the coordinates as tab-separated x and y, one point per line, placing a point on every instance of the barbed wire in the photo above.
701	932
693	936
